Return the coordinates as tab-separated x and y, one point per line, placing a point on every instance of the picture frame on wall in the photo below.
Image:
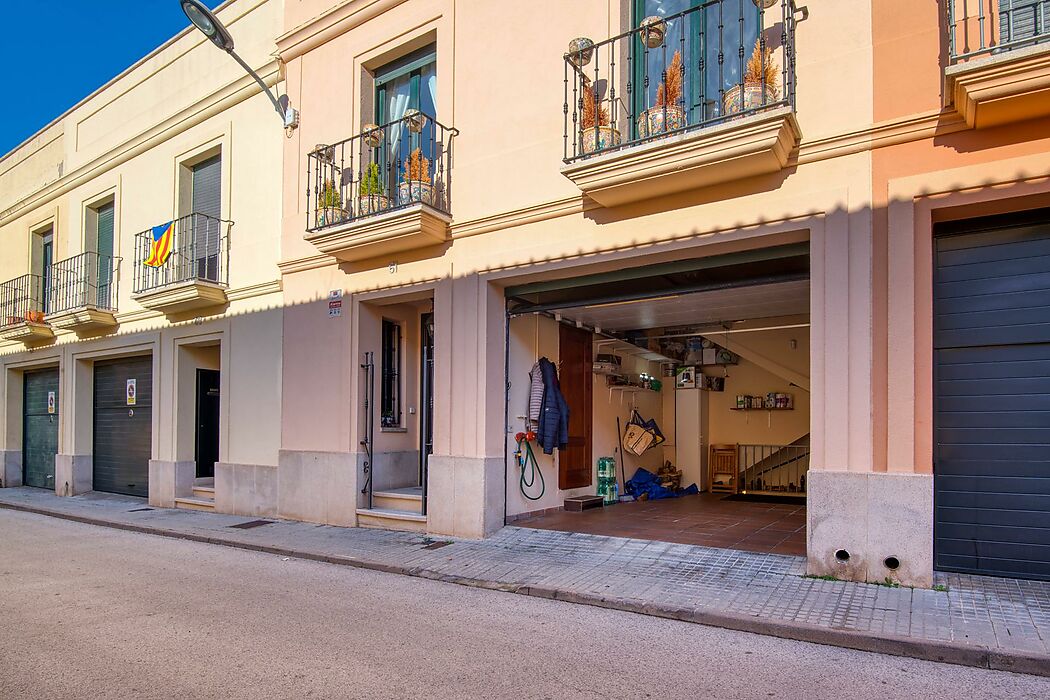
685	378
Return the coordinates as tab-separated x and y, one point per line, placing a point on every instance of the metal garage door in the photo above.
123	432
40	428
992	400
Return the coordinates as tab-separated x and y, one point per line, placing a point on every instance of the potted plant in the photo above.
759	87
667	114
35	316
416	186
370	197
596	133
330	205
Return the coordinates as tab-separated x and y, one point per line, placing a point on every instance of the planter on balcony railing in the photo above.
82	292
385	190
692	99
22	304
999	51
193	275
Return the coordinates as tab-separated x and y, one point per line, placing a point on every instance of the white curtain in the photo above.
396	109
432	86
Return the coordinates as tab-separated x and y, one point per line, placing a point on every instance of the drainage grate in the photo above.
251	523
436	545
139	510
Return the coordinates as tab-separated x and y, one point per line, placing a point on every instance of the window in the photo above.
206	208
390	400
408	83
45	260
727	26
103	218
1022	19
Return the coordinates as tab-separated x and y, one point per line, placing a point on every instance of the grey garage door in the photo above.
992	398
123	433
40	428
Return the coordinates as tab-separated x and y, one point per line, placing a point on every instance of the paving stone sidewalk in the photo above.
977	621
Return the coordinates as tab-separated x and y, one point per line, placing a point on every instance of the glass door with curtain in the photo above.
407	84
729	28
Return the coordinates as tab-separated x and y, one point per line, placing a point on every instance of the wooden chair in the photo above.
722	474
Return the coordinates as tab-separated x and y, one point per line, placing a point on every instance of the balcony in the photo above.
194	275
698	98
384	191
22	304
999	60
82	293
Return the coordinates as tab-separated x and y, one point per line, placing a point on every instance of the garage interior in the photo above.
715	351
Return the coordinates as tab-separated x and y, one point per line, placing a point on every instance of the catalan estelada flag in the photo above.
160	249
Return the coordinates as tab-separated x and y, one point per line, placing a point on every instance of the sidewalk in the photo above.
1002	624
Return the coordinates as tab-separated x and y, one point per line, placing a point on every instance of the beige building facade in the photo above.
792	204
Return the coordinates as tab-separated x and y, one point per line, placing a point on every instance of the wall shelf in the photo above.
761	409
631	349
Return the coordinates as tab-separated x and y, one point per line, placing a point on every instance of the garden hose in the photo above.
530	470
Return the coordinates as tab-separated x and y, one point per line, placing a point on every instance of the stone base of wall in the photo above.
11	466
246	489
318	487
395	470
465	496
73	474
170	480
857	520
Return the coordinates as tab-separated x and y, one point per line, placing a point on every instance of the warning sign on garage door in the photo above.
131	392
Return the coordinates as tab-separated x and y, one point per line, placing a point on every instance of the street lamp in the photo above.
205	20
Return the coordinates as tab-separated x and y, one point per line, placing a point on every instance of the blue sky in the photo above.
87	43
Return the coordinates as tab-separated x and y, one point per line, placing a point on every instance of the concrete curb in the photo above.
927	650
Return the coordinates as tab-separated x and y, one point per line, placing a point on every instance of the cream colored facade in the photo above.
131	144
883	139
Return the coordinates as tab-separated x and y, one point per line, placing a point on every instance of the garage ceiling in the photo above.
697	309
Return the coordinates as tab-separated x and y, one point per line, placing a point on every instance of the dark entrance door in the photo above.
40	428
123	426
576	358
426	399
992	397
207	451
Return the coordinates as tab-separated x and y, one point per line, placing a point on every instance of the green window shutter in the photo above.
104	232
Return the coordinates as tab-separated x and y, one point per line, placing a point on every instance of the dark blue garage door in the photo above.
992	397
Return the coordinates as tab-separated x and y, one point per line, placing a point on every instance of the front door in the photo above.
426	399
576	356
207	451
40	428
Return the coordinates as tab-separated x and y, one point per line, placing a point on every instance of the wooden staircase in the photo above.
203	497
395	509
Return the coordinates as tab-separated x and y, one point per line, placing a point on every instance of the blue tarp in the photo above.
644	481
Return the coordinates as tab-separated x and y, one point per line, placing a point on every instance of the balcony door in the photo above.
204	226
47	257
728	29
409	83
104	247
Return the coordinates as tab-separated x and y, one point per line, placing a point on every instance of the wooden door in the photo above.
574	462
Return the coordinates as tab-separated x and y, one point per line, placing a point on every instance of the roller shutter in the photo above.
39	428
122	433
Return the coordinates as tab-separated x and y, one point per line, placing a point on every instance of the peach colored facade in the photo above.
885	137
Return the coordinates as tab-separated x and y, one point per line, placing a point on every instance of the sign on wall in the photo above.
131	392
51	407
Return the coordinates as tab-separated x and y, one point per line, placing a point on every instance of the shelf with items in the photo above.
622	346
760	409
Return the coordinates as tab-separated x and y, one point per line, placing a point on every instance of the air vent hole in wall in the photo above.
842	555
892	563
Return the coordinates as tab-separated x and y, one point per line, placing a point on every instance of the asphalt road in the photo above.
90	612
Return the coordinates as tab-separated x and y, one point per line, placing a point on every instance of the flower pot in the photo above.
35	316
658	120
415	191
372	204
328	216
736	100
597	138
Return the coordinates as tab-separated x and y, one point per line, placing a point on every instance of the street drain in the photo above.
436	545
139	510
251	523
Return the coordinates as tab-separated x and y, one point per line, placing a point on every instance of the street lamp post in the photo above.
205	20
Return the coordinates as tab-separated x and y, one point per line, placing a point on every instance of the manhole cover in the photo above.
139	510
251	523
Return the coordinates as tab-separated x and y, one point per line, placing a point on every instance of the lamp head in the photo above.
203	19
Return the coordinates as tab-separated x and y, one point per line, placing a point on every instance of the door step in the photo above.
204	492
409	499
195	503
390	519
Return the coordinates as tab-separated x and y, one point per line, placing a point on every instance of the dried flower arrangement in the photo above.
670	89
761	68
417	167
594	113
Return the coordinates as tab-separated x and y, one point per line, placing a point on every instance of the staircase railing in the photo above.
776	469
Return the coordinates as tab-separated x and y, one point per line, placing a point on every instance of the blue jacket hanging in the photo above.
553	430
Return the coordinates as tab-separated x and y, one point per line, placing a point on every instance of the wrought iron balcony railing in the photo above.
385	167
200	252
22	299
982	27
88	280
712	63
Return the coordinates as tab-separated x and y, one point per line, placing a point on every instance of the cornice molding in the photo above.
330	24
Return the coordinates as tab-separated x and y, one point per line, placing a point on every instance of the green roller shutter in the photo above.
40	428
104	248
